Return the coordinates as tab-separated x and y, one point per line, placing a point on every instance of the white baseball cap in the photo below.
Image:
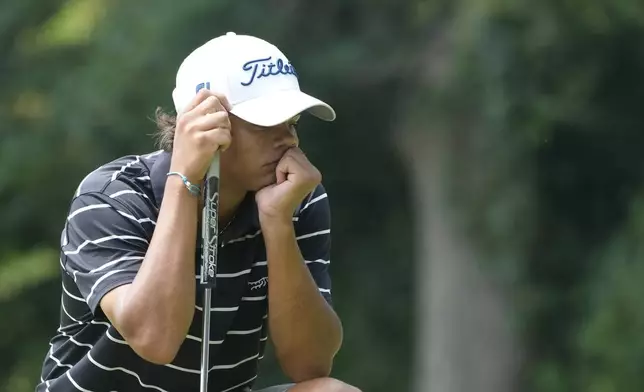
258	80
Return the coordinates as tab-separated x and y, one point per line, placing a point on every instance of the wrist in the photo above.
175	187
193	189
189	174
276	223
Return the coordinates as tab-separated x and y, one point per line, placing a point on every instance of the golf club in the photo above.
209	234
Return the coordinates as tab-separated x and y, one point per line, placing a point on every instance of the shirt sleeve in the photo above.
103	246
313	231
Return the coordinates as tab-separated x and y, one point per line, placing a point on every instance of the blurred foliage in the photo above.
545	96
80	82
22	271
610	340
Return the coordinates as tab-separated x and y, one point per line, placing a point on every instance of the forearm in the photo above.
305	330
159	304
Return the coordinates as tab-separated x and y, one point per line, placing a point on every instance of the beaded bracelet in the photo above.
195	190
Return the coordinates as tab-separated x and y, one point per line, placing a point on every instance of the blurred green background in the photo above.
486	174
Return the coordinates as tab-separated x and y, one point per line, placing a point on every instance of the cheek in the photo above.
240	158
251	150
248	150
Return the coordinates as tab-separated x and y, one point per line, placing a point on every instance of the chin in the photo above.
264	182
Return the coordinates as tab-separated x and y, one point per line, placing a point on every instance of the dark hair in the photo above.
166	124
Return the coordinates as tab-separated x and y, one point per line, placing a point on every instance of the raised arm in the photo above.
304	328
146	288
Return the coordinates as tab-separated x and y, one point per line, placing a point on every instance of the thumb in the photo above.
281	171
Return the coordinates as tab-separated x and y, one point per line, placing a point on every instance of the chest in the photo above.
242	273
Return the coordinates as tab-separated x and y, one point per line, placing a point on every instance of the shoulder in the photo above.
312	225
314	209
129	169
318	195
123	183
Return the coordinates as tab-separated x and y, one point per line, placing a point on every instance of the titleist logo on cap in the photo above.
267	69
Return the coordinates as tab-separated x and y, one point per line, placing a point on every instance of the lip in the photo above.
274	162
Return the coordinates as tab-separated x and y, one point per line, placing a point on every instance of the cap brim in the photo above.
277	108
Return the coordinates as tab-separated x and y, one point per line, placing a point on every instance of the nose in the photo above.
285	136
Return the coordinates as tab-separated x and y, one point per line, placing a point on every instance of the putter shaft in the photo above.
205	342
209	261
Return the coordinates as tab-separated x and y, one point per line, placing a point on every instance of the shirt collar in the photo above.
246	220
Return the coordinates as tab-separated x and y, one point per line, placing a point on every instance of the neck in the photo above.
230	197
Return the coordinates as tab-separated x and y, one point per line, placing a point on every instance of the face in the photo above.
252	157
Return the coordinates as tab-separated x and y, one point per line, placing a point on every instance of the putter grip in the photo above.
210	230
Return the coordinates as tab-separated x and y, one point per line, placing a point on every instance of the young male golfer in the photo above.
131	314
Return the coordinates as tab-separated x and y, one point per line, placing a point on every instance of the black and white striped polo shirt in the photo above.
107	231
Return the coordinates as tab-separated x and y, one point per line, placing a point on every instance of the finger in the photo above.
196	100
296	162
211	121
207	101
285	166
297	155
217	139
214	103
281	173
208	106
224	101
